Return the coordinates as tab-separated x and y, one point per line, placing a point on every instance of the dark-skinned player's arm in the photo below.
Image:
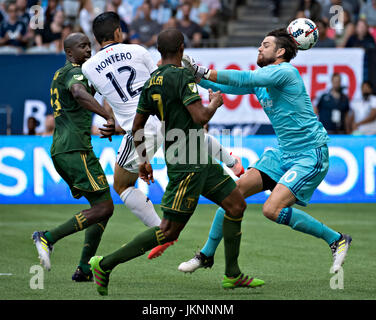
145	170
87	101
201	114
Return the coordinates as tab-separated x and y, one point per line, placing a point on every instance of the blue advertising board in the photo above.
27	175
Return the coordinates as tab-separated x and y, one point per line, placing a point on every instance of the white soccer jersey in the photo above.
118	72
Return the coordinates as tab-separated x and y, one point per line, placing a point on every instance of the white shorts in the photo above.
127	156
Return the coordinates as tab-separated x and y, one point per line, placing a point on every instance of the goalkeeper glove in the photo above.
199	72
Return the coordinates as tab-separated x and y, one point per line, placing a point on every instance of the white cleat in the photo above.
198	261
339	251
44	249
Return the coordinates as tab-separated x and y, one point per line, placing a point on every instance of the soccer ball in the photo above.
304	32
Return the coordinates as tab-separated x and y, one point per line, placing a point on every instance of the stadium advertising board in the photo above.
27	175
239	112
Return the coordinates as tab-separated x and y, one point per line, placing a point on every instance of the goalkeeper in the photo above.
294	170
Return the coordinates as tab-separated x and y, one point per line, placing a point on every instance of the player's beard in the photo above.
262	61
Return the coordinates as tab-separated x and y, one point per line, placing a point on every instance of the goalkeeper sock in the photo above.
77	223
138	246
215	234
232	236
303	222
93	235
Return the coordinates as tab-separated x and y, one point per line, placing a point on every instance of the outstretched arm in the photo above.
226	88
87	101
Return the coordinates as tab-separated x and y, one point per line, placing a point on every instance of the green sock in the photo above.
232	236
137	247
77	223
93	235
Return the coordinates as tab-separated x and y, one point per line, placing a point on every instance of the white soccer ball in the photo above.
304	32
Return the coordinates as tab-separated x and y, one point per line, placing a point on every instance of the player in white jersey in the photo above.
118	72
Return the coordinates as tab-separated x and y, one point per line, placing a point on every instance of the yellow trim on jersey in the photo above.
91	179
191	98
216	186
181	192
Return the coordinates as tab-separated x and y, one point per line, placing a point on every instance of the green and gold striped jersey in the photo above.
166	94
72	122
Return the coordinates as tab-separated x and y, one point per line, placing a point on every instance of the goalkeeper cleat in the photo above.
101	278
339	250
241	281
80	276
198	261
158	250
44	248
237	168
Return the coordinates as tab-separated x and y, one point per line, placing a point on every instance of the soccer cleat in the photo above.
237	168
198	261
241	281
339	250
101	278
44	248
158	250
80	276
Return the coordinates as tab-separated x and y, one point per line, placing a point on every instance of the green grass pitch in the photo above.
293	265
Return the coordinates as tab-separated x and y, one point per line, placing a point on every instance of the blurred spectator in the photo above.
22	11
160	11
52	7
368	12
31	126
144	30
213	17
333	107
310	9
25	17
50	36
327	15
114	6
188	27
362	38
49	125
13	32
362	119
344	30
86	17
124	9
71	10
324	41
276	9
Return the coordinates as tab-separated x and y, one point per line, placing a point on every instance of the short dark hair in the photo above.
169	42
104	26
285	41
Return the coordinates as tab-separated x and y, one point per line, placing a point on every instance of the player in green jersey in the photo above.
73	157
171	94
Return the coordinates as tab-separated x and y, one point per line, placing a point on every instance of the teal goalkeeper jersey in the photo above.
281	92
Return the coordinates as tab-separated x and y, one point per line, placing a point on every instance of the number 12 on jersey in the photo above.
132	93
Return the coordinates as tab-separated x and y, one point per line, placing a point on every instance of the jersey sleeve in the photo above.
270	76
76	76
189	91
226	89
149	63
